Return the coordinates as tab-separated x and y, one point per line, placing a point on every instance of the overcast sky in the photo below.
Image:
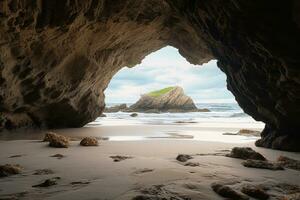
166	67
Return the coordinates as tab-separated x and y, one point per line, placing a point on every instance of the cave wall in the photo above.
58	56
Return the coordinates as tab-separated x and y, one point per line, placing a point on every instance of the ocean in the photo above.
220	112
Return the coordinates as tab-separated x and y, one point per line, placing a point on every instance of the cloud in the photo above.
166	67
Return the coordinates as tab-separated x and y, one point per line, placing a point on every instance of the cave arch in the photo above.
57	57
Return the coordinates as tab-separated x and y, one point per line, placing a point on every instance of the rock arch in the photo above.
57	56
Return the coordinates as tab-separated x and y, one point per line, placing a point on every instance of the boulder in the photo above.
262	164
245	153
8	170
289	162
133	115
255	192
183	157
55	140
228	192
89	141
170	99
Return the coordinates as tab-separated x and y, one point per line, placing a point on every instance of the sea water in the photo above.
203	126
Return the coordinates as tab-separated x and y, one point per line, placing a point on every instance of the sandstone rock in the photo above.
245	153
255	192
116	108
228	192
262	164
58	141
289	163
89	141
48	182
133	115
183	157
8	170
170	99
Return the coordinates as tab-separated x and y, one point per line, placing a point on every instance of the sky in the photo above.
166	67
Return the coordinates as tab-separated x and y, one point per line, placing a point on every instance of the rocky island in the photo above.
169	99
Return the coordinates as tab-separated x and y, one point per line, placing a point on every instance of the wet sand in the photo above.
152	168
153	163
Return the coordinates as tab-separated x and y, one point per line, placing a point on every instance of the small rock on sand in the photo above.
183	157
16	156
255	192
228	192
142	171
133	115
192	164
245	153
262	164
8	170
55	140
120	158
89	141
289	162
43	172
58	156
48	182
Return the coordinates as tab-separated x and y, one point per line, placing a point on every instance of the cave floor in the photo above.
150	169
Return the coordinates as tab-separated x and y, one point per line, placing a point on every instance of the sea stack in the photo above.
170	99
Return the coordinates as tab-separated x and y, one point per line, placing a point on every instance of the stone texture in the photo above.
262	164
228	192
57	57
245	153
8	170
174	100
183	157
55	140
89	141
289	162
255	192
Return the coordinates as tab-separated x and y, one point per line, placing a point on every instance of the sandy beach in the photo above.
151	166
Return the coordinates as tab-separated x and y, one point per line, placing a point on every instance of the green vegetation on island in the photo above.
158	93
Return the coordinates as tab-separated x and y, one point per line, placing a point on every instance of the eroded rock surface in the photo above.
89	141
245	153
57	57
262	164
170	99
56	140
8	170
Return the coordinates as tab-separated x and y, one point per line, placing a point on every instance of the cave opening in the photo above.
130	91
